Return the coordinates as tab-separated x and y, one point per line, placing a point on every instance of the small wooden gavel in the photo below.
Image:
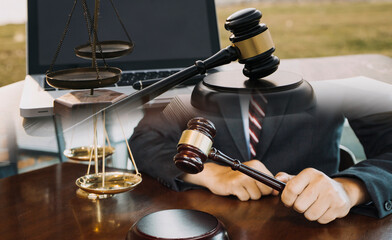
195	147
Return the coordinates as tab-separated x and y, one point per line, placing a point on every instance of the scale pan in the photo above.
83	153
110	49
115	182
83	78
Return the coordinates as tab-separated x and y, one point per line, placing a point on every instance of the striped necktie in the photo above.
256	115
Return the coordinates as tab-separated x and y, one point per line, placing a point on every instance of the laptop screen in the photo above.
166	34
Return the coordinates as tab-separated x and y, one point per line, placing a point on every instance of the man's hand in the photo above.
319	197
222	180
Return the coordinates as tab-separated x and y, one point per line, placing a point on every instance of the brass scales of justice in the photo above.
102	184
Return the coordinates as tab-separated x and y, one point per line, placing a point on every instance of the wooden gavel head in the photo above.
254	43
195	145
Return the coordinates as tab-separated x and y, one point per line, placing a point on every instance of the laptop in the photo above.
168	36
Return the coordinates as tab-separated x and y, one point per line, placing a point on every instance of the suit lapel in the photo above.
274	116
231	113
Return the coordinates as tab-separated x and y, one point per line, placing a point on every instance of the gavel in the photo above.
195	147
252	45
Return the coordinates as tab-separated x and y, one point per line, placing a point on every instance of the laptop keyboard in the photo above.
128	79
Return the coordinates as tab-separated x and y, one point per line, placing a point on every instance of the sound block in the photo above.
178	224
236	82
285	92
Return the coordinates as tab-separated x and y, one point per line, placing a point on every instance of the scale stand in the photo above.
78	105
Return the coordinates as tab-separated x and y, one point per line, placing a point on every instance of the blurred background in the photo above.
300	28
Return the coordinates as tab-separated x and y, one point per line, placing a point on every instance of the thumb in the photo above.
284	177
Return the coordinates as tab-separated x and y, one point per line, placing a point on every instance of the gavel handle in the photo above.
138	98
218	156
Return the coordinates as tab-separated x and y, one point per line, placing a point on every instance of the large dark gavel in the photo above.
195	147
252	46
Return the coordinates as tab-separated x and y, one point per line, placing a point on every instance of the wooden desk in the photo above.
43	205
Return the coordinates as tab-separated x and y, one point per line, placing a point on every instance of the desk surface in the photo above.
42	204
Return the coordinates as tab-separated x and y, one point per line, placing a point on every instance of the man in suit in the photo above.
299	148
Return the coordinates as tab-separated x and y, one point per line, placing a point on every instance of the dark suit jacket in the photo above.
288	142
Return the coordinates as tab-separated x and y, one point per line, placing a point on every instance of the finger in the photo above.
316	210
327	217
241	193
275	193
306	198
253	190
256	164
259	166
264	189
334	212
294	187
283	177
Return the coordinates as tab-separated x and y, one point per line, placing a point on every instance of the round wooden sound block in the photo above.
178	224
